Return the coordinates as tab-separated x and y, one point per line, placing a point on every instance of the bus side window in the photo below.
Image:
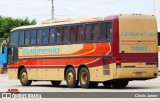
27	37
39	36
52	38
96	31
21	38
59	34
73	33
88	32
65	34
15	54
45	35
103	34
14	38
109	30
33	37
10	55
80	33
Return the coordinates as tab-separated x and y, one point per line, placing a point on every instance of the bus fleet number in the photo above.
139	48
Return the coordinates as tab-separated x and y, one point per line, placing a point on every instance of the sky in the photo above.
41	9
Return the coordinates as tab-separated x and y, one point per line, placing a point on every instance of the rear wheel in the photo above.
24	78
55	83
71	78
84	78
120	83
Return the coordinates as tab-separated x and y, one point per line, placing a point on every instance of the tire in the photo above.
84	78
56	83
120	83
24	78
107	83
71	78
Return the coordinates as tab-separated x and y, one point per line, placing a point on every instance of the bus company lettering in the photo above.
31	51
138	34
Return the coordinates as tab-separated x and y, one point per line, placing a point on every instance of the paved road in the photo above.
45	86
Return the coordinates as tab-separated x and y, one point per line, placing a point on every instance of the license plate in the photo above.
139	73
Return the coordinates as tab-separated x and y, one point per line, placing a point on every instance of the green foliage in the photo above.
8	23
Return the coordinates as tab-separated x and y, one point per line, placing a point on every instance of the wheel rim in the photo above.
70	77
84	78
24	77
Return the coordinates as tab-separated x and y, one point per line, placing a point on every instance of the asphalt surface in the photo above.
152	85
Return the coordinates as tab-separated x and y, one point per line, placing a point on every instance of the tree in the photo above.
8	23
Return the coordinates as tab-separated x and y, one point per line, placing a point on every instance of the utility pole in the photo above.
52	9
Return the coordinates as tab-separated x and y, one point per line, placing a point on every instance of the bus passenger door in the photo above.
12	55
12	58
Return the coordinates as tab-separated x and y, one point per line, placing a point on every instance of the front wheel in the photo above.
24	78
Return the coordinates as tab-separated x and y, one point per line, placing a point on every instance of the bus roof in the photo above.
51	22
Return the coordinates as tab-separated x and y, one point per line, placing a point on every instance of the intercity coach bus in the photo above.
111	50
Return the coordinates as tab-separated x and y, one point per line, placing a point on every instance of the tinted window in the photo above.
14	38
53	33
103	34
73	34
59	35
80	33
45	35
33	37
15	54
109	30
65	34
39	36
27	37
96	31
21	38
12	54
88	32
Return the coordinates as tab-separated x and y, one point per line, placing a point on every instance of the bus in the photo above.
112	50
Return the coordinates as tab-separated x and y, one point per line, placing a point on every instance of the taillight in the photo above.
118	62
